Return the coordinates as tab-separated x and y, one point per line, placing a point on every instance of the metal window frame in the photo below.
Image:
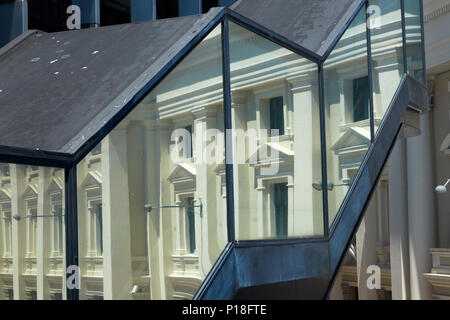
71	226
344	202
70	161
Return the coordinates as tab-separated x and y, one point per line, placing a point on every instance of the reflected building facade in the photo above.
152	204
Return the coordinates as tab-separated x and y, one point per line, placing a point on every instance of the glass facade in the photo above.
32	233
414	45
387	53
152	195
347	116
275	118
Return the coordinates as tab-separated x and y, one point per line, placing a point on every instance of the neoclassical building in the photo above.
153	195
410	247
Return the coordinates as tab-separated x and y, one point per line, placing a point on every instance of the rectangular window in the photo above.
361	99
208	4
100	228
277	115
114	12
191	223
189	150
166	9
281	209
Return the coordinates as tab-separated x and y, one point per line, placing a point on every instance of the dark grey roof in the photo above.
63	91
58	89
312	24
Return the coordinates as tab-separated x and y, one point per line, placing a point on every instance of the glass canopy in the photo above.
244	140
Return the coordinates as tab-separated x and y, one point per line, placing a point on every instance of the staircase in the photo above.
309	266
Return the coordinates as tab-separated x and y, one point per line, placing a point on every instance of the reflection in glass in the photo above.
32	233
275	117
347	116
414	50
152	195
370	252
387	53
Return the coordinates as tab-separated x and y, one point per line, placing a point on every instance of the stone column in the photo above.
18	178
157	160
366	255
421	209
118	276
43	234
207	225
398	222
242	215
307	206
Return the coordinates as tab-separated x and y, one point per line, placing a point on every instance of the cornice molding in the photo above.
444	9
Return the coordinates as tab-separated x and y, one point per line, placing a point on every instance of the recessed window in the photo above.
277	115
166	9
361	99
190	217
188	144
99	216
281	209
115	12
208	4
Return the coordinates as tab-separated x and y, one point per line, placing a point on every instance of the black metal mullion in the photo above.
323	148
228	127
369	67
342	31
71	226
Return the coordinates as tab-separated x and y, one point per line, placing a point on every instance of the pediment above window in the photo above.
183	173
5	195
270	152
93	180
31	192
354	140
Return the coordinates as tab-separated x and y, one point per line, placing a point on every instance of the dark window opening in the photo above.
32	295
191	223
208	4
48	15
281	209
114	12
100	227
166	9
58	296
277	115
10	294
189	143
360	99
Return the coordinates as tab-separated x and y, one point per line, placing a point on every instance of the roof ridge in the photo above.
16	41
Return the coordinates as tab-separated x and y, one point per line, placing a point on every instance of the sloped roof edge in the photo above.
109	117
146	82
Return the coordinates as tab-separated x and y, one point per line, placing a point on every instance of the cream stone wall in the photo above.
126	252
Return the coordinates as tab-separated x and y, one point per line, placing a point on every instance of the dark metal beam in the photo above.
341	32
410	92
34	157
71	225
272	36
228	125
323	150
